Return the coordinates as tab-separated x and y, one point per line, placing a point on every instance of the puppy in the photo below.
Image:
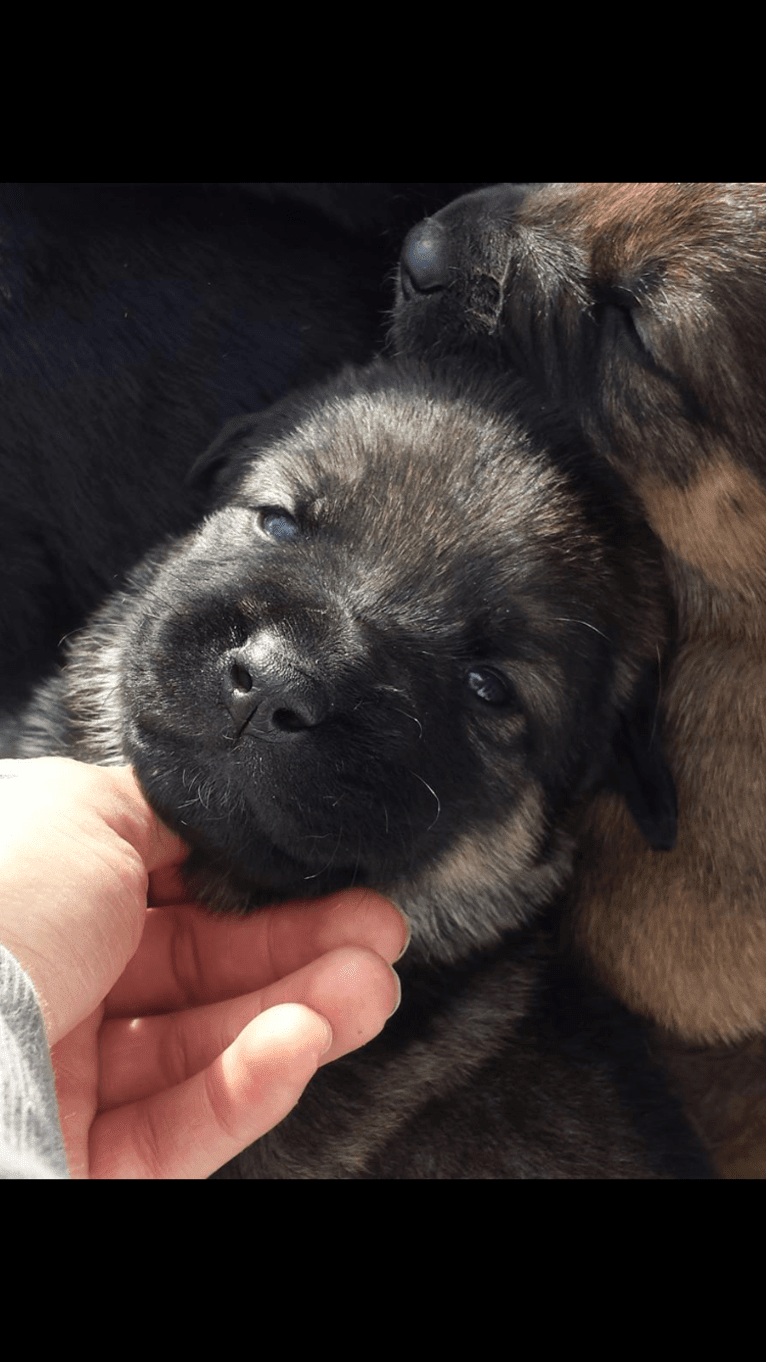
418	628
641	310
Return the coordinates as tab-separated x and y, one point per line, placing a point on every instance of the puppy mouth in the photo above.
289	807
279	843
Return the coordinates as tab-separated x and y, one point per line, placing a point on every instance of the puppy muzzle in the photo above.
269	692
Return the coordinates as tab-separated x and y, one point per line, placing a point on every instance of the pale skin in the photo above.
177	1037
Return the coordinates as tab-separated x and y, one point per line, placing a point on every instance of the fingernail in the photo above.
406	922
399	997
328	1037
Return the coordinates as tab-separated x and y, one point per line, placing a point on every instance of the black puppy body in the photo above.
408	639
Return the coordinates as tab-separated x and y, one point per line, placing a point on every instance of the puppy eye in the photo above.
628	318
278	523
620	304
488	686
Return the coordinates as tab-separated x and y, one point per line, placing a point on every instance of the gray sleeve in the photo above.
31	1143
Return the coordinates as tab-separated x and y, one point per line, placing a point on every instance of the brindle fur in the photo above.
440	527
641	311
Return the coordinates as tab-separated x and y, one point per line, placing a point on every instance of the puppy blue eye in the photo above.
278	524
488	686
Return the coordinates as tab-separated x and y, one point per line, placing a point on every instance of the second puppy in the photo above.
641	311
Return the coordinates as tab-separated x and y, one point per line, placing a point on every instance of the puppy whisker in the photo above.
323	869
414	718
563	620
435	795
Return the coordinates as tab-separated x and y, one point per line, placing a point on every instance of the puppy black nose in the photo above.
424	261
266	692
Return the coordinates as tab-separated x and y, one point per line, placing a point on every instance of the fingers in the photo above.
192	1129
188	956
74	886
128	813
110	794
353	989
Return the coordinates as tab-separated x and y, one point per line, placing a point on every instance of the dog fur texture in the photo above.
640	311
417	630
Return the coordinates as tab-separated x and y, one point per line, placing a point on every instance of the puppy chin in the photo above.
240	833
258	836
211	879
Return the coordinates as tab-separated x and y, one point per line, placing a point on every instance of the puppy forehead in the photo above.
685	229
409	462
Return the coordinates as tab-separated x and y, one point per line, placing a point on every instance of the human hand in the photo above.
177	1037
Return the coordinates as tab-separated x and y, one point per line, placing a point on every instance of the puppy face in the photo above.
641	307
410	635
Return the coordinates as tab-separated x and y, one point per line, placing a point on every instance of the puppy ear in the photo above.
207	469
639	771
243	436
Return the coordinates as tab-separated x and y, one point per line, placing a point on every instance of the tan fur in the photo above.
717	524
682	936
499	867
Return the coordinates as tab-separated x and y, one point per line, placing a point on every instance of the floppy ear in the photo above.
206	469
639	771
242	436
